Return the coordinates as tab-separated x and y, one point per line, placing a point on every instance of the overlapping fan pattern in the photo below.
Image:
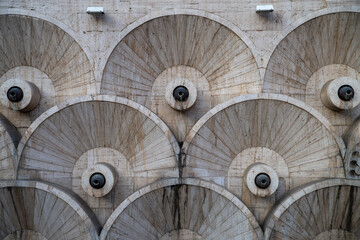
126	164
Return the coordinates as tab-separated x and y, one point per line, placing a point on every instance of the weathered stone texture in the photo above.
263	99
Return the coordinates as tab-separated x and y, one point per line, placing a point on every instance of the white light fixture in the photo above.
95	10
264	8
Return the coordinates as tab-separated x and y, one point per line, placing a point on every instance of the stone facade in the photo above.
179	120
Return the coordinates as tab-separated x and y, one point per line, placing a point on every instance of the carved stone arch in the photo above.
327	209
169	12
39	210
314	14
69	140
43	53
166	48
314	51
190	207
290	137
48	18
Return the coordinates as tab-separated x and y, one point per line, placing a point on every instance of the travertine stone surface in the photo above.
184	234
315	211
179	174
352	157
47	91
272	121
9	140
37	43
180	123
108	172
341	119
175	103
250	178
84	124
171	205
330	94
335	234
211	48
326	40
126	182
180	40
25	235
235	181
99	36
45	210
30	99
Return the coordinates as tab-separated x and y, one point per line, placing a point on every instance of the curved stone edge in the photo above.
177	181
75	202
63	27
265	96
12	137
168	12
294	25
298	193
11	130
350	137
101	98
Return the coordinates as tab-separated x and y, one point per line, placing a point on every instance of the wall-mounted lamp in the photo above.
95	10
264	8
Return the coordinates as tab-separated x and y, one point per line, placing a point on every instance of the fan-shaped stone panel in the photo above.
302	145
67	140
28	41
183	234
320	50
9	139
200	48
25	234
299	134
188	207
328	209
325	40
35	210
22	120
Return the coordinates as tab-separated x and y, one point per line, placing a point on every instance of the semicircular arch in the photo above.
70	139
63	214
49	46
285	125
327	208
301	51
180	198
